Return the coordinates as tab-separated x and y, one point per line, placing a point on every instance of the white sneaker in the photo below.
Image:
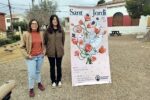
59	84
53	85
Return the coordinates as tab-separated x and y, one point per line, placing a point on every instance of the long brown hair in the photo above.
50	27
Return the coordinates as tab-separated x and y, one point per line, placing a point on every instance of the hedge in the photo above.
9	40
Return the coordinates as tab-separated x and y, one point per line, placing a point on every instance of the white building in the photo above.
119	19
15	18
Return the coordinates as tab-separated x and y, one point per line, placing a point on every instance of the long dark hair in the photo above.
50	28
30	29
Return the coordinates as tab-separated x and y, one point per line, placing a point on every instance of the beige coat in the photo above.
27	44
54	44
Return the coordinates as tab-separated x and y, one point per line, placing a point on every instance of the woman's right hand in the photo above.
29	56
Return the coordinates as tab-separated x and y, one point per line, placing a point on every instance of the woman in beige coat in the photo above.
34	50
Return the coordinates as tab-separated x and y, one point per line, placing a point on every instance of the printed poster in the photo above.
89	46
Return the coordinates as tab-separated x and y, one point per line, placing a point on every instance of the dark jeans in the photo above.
52	61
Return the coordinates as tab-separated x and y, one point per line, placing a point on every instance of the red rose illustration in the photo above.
74	41
80	42
87	17
80	22
102	49
93	58
96	30
89	25
76	53
88	47
78	29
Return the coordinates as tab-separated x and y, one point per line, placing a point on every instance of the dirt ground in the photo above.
130	72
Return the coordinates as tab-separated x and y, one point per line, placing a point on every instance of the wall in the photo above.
114	8
141	29
2	23
126	28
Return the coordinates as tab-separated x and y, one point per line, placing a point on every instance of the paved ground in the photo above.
130	71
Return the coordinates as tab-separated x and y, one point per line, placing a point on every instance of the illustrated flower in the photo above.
87	17
80	42
89	25
76	53
80	22
97	18
96	30
78	29
74	41
93	58
102	49
88	47
93	22
85	41
72	24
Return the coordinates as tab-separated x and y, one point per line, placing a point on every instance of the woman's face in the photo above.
54	21
34	25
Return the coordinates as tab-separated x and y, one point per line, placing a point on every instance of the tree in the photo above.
100	2
42	12
22	24
136	8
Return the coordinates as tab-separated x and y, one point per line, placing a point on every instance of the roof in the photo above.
15	15
118	0
113	2
1	13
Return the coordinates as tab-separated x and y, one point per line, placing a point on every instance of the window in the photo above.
8	20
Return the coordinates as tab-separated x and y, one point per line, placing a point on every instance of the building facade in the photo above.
15	18
119	19
2	22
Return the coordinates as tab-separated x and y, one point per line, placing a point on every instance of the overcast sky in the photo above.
19	6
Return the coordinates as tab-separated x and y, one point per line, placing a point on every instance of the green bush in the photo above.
5	41
9	33
9	40
15	37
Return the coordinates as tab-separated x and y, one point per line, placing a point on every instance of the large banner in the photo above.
89	46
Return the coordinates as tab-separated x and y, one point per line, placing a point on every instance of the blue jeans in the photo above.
34	69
